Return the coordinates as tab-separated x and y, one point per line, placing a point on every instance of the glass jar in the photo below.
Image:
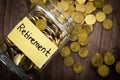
35	40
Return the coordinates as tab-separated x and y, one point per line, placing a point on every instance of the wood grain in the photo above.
100	40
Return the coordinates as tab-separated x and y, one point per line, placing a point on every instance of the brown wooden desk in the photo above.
100	40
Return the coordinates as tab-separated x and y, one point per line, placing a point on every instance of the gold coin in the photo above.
71	10
84	42
73	35
88	28
109	59
71	2
76	3
75	46
17	59
81	1
89	7
77	27
99	3
27	65
91	28
34	1
91	0
78	67
41	24
100	16
64	5
82	37
90	19
65	51
82	34
117	67
103	70
107	24
107	9
80	7
68	61
78	17
96	60
83	52
43	1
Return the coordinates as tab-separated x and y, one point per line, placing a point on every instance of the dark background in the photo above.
100	40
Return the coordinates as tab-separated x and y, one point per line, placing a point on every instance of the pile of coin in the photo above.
85	13
18	57
102	62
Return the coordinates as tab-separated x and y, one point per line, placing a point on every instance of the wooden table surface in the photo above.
100	40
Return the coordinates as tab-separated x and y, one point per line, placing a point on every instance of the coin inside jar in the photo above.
17	59
27	64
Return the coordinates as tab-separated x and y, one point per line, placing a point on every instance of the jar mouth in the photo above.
57	15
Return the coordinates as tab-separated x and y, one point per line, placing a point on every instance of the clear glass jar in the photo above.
34	40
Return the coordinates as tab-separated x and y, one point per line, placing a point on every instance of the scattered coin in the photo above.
68	61
117	67
99	3
71	10
103	70
82	37
107	9
65	51
88	28
78	67
75	46
78	17
107	24
109	58
81	1
90	19
83	52
73	35
89	7
96	60
100	16
64	5
80	7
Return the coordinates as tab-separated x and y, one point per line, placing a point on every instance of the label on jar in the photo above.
32	42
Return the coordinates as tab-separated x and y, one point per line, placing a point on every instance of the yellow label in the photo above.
32	42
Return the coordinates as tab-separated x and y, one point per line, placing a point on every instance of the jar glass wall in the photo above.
35	40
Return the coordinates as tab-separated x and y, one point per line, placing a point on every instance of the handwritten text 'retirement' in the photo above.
28	36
